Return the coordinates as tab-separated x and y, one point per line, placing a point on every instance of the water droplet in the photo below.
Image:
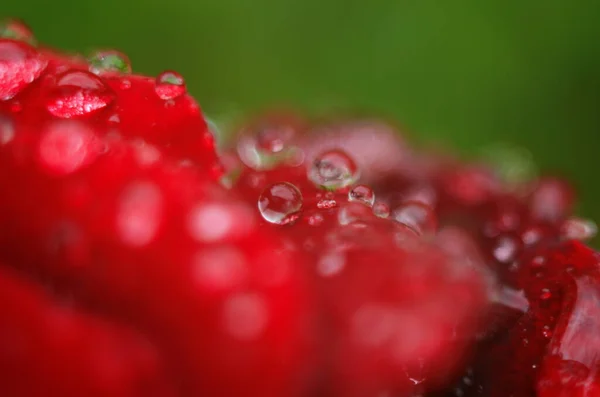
212	222
416	215
353	212
266	146
78	93
280	203
505	249
20	65
381	210
7	131
545	294
547	332
314	218
578	229
513	164
245	316
125	84
331	264
219	269
551	200
139	214
327	202
169	85
67	146
16	30
109	61
333	170
362	194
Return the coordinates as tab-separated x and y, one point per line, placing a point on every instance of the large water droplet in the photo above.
333	170
78	93
16	30
67	146
280	203
578	229
169	85
362	194
416	215
266	146
109	61
20	65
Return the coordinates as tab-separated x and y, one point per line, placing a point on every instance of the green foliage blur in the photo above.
461	73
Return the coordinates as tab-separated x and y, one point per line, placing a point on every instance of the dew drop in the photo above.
78	93
213	222
67	146
169	85
20	65
545	294
139	214
505	249
333	170
578	229
362	194
381	210
416	215
16	30
327	202
245	316
353	212
109	61
219	269
7	131
266	146
280	203
330	264
314	218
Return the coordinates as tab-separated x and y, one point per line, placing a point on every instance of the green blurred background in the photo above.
464	73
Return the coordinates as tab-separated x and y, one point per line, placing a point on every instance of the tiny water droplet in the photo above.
78	93
109	61
125	84
169	85
280	203
20	65
327	202
333	170
314	218
362	194
16	30
578	229
416	215
382	210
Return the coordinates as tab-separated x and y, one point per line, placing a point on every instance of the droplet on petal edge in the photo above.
109	61
169	85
